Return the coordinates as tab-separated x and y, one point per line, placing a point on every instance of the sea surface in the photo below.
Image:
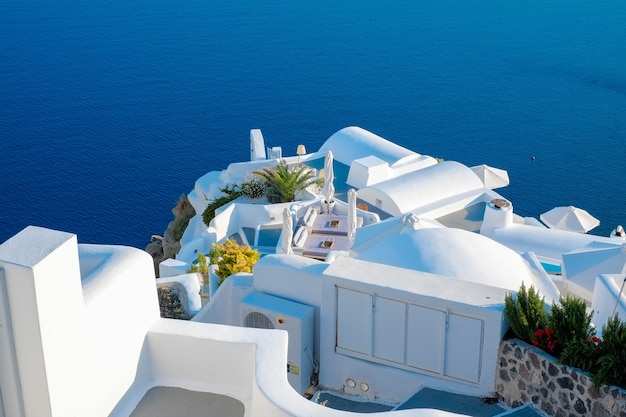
110	110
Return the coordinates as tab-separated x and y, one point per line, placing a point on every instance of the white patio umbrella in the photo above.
569	218
583	266
351	214
491	177
287	232
329	176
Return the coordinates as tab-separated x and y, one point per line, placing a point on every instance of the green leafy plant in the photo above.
282	183
582	354
214	256
234	258
230	193
526	312
612	361
201	266
570	321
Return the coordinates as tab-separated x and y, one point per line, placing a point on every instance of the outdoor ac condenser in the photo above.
264	311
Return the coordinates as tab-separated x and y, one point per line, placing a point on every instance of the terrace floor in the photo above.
431	399
169	402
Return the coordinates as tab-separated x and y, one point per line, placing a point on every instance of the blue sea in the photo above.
109	110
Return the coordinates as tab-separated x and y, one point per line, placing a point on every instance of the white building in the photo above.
414	300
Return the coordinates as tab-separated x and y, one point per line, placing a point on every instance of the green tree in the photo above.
570	321
283	183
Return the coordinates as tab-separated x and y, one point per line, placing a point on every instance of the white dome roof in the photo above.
461	255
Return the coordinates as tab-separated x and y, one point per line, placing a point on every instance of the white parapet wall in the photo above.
76	351
81	335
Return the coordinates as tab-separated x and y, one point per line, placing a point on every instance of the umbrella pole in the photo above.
619	296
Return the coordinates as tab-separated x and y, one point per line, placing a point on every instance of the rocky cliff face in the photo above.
168	245
162	247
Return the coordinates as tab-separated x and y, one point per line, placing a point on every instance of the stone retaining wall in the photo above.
526	374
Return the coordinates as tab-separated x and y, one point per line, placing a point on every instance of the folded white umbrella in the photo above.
287	232
329	176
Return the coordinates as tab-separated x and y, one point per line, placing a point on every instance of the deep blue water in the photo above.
109	110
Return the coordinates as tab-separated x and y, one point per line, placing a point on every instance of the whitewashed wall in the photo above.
75	355
93	345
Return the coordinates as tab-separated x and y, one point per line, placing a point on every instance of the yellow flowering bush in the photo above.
233	257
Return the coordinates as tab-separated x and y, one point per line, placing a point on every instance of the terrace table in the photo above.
318	245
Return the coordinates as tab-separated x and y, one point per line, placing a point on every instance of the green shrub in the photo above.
201	266
570	321
526	313
214	256
566	332
234	258
582	353
230	193
612	362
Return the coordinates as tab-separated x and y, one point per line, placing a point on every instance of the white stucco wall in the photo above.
413	288
59	332
98	355
286	276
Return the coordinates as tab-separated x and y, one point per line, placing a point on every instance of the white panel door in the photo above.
463	347
425	338
389	328
354	321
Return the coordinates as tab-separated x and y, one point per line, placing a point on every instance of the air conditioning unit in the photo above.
264	311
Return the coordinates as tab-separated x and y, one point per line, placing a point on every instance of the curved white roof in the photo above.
420	188
545	243
461	255
353	142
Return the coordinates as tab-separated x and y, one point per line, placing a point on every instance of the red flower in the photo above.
596	339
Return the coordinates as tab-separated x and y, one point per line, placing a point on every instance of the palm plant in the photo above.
283	183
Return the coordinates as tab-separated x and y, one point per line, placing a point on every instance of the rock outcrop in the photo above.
168	245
